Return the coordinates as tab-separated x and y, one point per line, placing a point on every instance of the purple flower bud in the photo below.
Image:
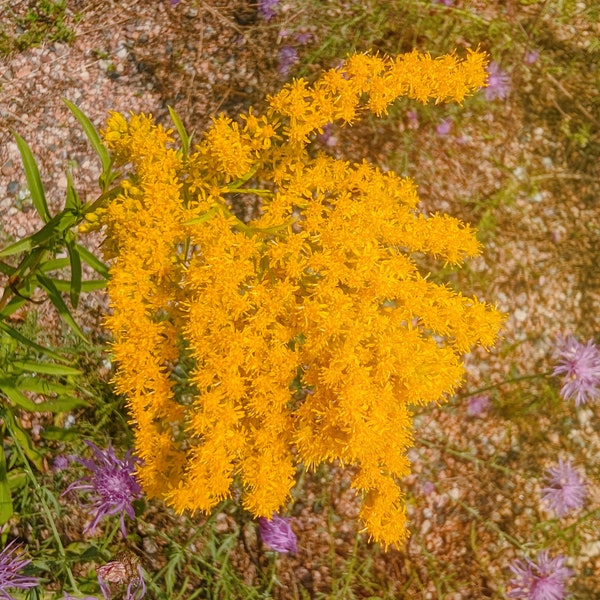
288	57
443	128
277	534
531	57
478	405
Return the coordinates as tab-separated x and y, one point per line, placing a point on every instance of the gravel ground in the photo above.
540	262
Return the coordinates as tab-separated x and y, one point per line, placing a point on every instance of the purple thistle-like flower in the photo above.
288	57
566	489
277	534
444	127
11	563
498	83
580	365
266	9
531	57
112	484
478	405
541	580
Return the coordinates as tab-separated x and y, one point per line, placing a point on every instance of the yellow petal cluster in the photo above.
247	348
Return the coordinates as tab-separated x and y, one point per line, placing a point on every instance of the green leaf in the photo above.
86	286
6	506
34	181
17	480
62	404
75	287
92	135
50	432
23	439
19	337
42	386
13	306
60	305
54	264
93	261
16	397
40	237
183	134
47	368
6	269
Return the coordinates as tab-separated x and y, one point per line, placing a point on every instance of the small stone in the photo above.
520	315
13	187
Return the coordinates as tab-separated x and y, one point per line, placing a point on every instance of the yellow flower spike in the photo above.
307	333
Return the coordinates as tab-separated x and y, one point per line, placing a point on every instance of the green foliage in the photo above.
45	21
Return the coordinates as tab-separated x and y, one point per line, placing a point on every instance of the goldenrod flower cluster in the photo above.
299	337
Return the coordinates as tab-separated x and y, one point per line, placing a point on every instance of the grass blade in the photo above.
34	181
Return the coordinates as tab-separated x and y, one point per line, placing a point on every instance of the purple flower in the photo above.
288	57
443	128
10	565
580	365
60	463
304	38
478	405
266	9
444	2
112	484
277	534
498	83
531	57
544	580
566	489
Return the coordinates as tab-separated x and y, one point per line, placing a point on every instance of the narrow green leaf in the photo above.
16	397
47	368
46	233
183	134
6	506
62	404
51	432
92	260
75	287
23	439
34	181
92	135
19	337
54	264
6	269
13	306
42	386
60	305
86	286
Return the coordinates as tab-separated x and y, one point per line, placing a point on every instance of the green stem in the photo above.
505	382
40	495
